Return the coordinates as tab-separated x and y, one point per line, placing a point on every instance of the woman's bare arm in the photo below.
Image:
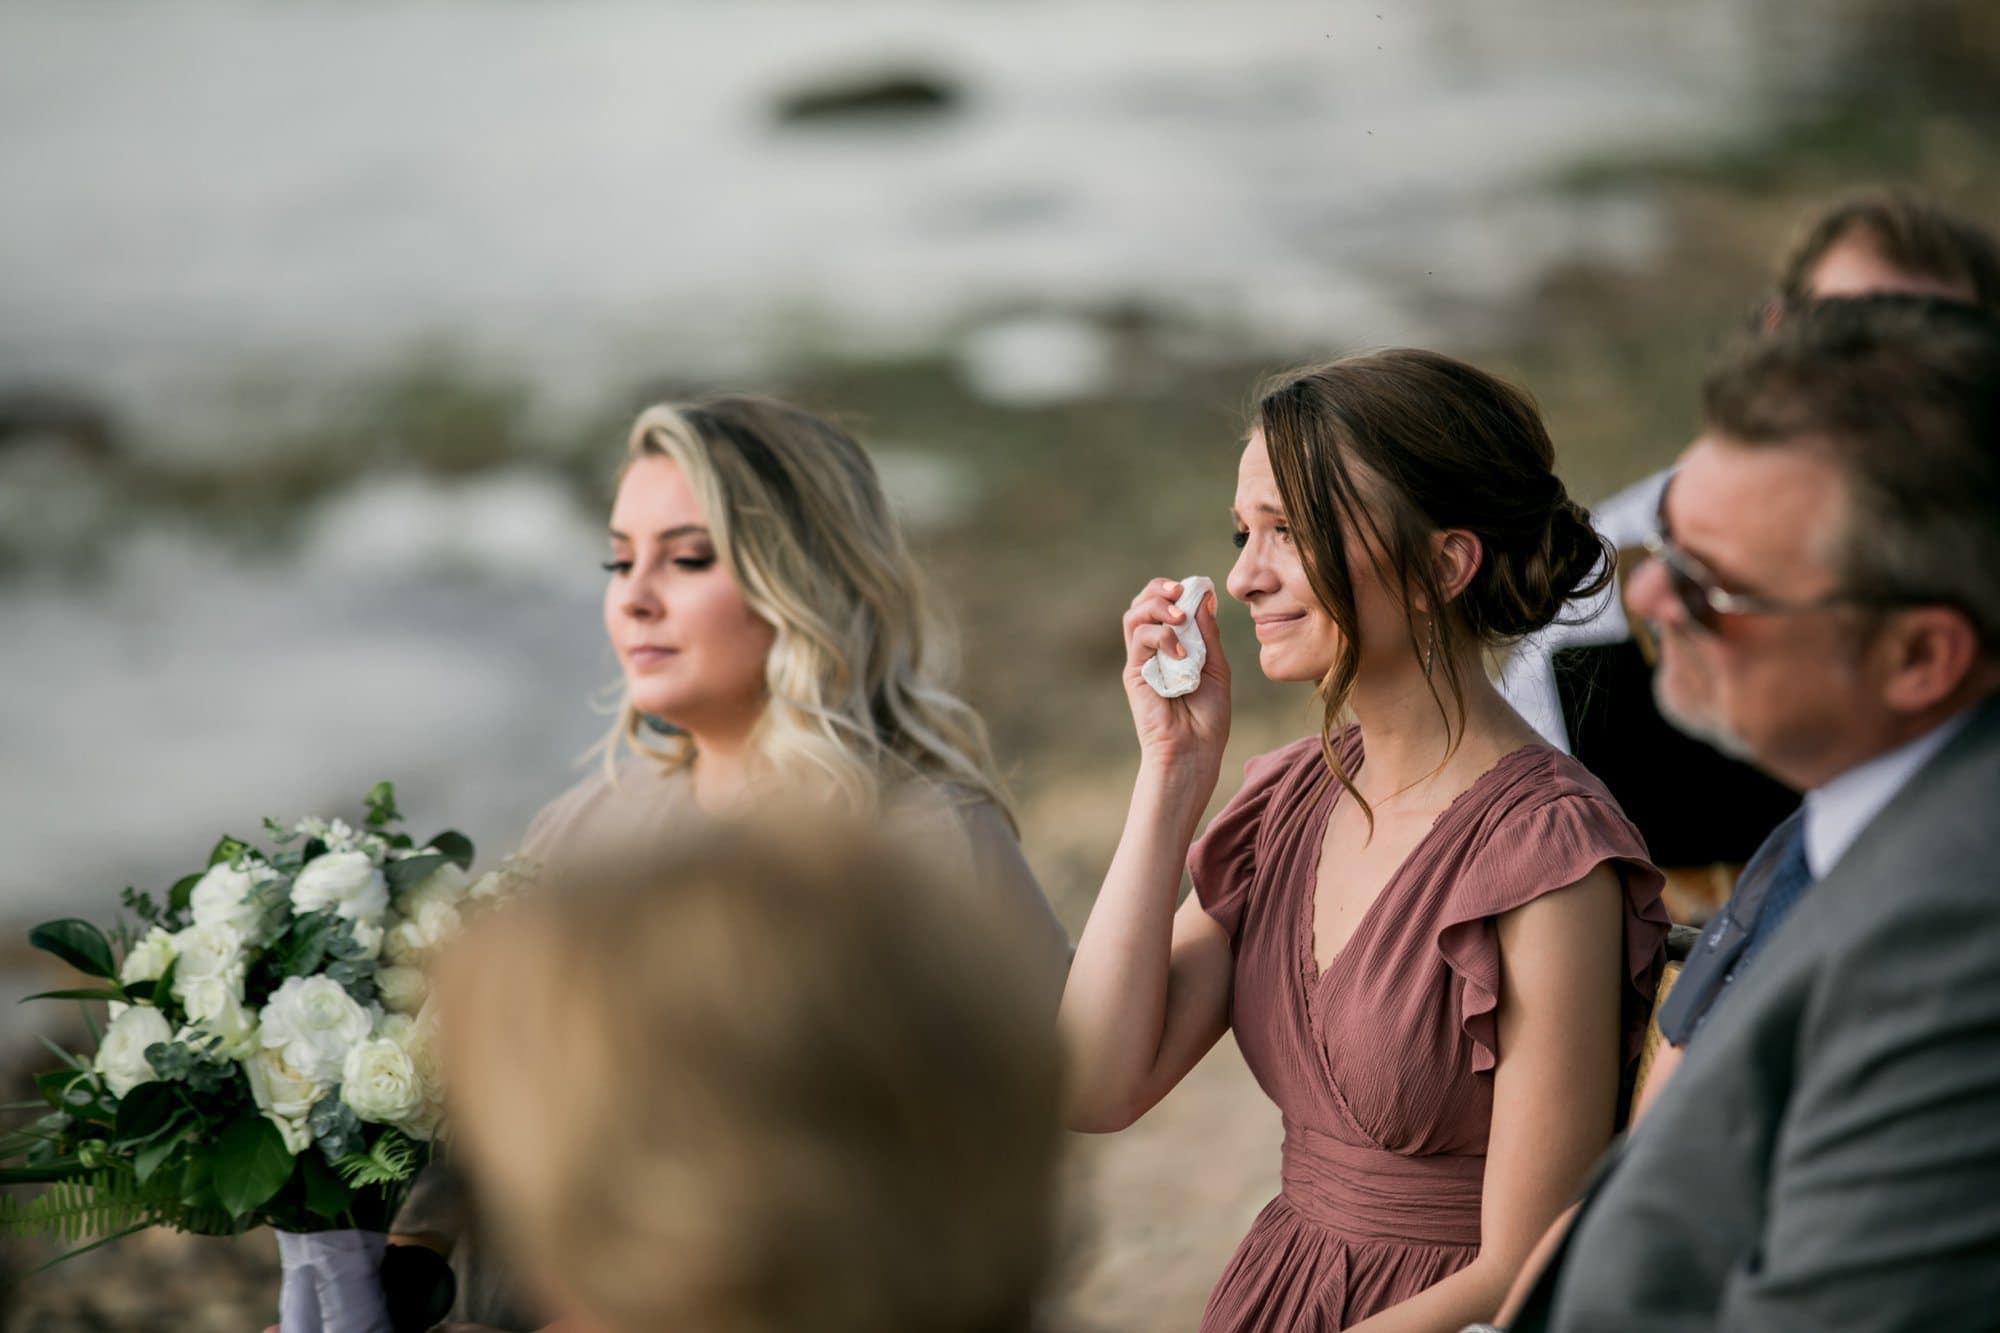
1148	989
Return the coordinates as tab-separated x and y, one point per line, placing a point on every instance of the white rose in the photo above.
217	1011
403	989
347	882
380	1084
148	959
206	953
416	936
223	898
369	935
121	1059
284	1095
313	1023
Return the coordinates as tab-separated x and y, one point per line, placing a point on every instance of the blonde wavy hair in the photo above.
779	1083
856	676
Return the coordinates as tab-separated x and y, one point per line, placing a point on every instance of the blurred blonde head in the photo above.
786	1084
855	678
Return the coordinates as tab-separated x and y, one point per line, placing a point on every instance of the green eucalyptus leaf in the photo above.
251	1164
77	943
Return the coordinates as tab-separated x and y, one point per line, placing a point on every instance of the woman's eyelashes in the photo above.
1241	538
693	564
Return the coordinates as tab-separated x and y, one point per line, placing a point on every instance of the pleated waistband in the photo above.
1371	1193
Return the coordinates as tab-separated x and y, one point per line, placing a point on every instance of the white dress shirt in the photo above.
1838	810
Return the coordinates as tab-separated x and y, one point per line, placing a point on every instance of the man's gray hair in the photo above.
1904	393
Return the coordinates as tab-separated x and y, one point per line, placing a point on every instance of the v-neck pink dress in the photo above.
1382	1065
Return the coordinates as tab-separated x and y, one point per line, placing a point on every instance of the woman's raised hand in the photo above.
1195	727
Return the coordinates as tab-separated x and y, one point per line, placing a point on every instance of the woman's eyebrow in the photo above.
684	530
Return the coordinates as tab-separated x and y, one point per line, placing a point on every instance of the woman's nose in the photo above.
1247	576
639	601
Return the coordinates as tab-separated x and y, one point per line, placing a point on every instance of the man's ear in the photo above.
1930	650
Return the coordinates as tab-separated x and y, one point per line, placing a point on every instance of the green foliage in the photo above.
77	943
228	851
99	1204
326	1194
455	846
182	893
382	805
335	1127
393	1159
411	871
140	905
251	1163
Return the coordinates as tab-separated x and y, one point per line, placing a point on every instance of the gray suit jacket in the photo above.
1828	1154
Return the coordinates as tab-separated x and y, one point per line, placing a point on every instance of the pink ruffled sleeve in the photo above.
1544	849
1223	861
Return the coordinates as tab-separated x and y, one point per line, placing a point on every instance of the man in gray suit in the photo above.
1826	587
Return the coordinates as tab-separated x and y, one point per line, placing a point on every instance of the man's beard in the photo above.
1708	731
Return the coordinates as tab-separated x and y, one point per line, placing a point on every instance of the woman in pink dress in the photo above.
1434	936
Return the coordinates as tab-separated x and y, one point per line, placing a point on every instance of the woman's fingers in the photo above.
1163	588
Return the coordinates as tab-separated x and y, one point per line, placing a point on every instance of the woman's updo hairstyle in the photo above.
1395	446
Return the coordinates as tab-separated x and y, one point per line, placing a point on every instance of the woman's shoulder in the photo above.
1544	782
616	801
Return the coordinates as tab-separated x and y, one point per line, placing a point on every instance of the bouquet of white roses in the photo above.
268	1056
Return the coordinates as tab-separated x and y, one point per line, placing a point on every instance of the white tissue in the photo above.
1171	677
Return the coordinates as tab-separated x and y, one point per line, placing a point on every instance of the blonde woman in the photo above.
769	624
868	1145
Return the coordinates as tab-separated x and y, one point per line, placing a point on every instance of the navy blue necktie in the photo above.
1790	878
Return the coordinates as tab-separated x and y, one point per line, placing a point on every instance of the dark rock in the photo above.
869	95
43	416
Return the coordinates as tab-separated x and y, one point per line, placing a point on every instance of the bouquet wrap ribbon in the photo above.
332	1282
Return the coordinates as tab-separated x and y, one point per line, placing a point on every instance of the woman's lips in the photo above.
645	658
1268	625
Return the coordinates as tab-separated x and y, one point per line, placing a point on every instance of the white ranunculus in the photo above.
403	989
121	1058
369	935
216	1010
223	897
380	1084
148	958
415	937
284	1095
205	952
314	1023
447	884
346	882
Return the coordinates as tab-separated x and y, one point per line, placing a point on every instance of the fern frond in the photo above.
392	1159
95	1205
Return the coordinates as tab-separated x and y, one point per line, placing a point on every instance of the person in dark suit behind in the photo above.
1823	587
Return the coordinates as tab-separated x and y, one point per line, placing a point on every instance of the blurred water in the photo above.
594	191
589	190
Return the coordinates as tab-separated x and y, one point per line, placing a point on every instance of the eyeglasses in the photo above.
1707	602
